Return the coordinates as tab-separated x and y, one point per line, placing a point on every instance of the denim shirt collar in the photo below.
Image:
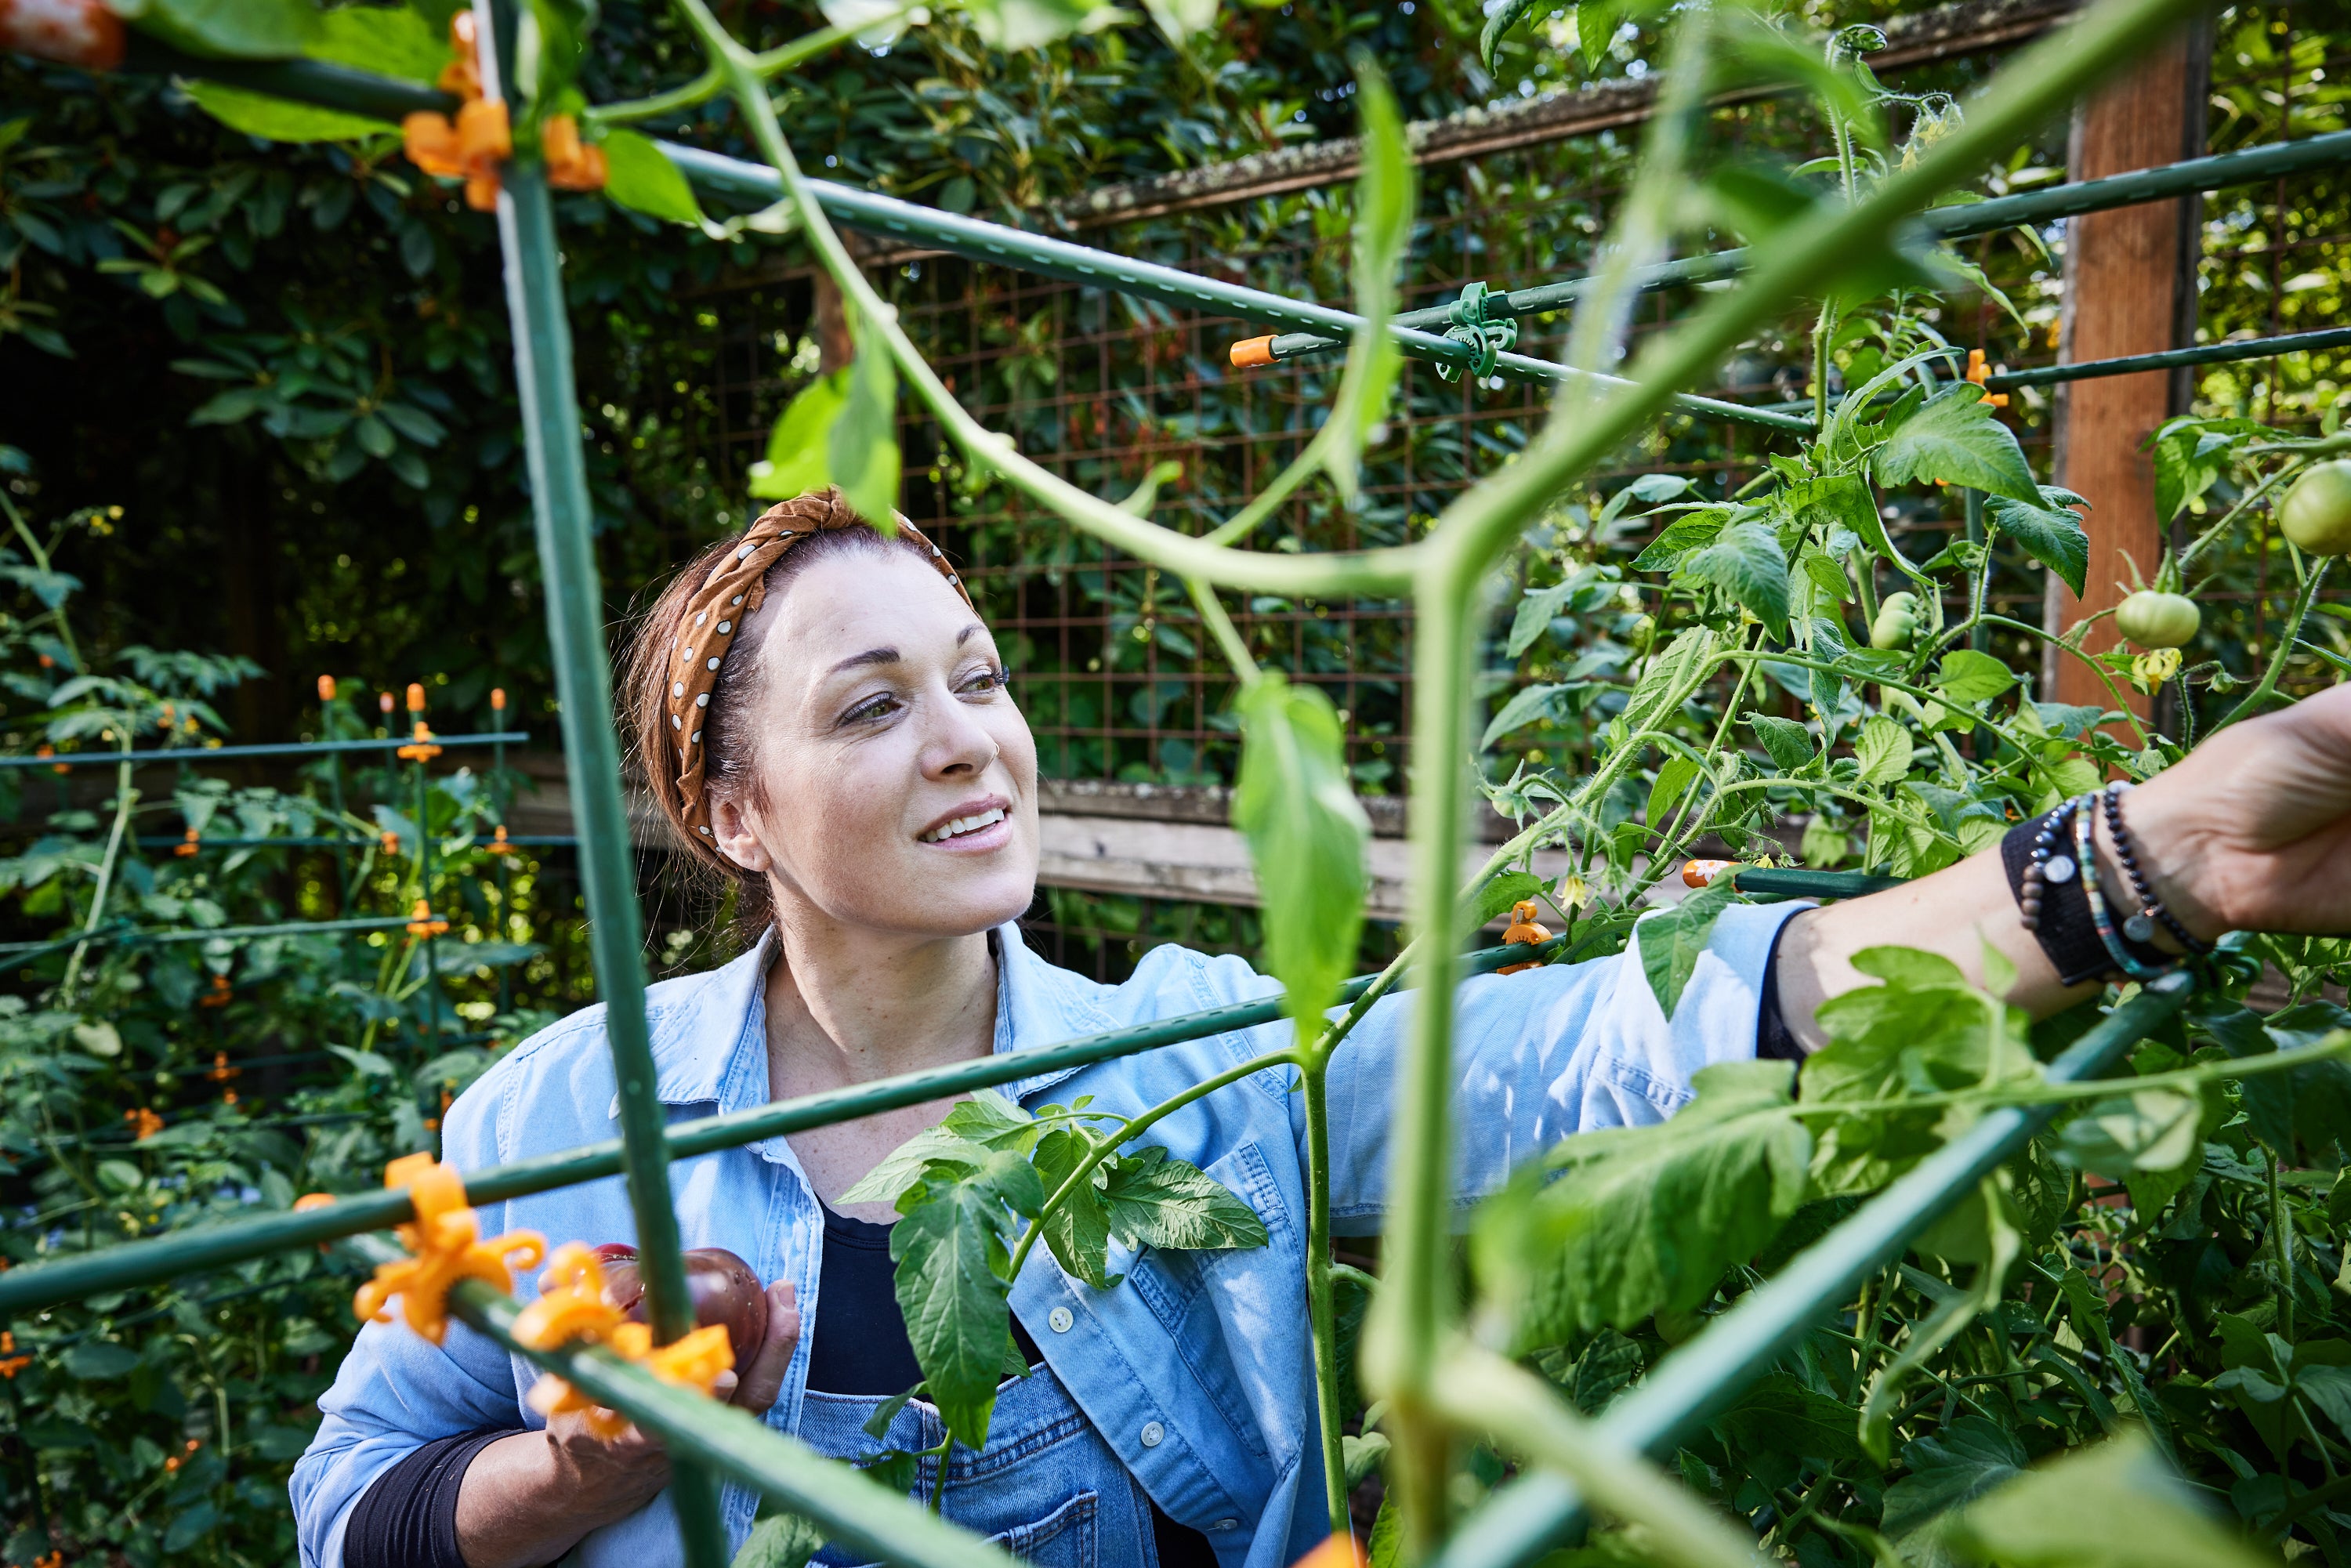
710	1031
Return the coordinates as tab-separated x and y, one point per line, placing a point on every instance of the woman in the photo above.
826	722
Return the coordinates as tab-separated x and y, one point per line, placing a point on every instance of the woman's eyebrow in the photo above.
966	634
870	656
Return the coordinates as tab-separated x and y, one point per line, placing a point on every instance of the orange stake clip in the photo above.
1978	370
445	1245
575	1309
1251	352
1523	930
1699	873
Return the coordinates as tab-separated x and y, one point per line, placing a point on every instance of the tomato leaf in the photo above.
230	29
1789	743
1306	834
1745	561
862	447
1155	1200
1675	775
1967	676
1527	705
952	1259
1884	750
274	118
798	447
780	1540
2113	1505
1498	25
1612	1225
1958	1462
1494	899
1952	436
1077	1231
639	177
2050	532
1672	940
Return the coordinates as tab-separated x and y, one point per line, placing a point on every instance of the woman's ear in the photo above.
736	833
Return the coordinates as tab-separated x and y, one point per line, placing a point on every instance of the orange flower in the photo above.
144	1122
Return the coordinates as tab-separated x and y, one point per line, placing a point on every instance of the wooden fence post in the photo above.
2130	289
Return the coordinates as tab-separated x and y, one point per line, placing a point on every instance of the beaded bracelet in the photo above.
2140	927
2086	825
2045	867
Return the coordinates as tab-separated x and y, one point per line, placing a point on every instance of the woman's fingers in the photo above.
760	1382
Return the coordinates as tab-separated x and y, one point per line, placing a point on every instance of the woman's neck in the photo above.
849	1006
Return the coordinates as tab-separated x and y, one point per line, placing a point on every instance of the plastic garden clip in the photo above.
444	1246
576	1308
1477	323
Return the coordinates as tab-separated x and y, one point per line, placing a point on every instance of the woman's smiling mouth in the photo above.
968	829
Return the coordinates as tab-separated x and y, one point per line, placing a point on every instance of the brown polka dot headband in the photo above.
712	618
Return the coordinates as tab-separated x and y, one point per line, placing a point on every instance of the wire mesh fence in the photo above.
1114	672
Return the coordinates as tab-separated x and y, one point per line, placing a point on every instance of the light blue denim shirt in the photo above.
1198	1370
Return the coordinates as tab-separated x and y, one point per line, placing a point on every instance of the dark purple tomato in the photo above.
724	1288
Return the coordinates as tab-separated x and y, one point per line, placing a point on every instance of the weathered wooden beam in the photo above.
2126	292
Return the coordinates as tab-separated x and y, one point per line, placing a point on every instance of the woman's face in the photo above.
897	780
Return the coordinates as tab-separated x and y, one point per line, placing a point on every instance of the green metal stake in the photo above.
575	617
426	950
504	797
327	691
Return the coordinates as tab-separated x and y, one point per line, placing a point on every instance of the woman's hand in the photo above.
2251	831
530	1498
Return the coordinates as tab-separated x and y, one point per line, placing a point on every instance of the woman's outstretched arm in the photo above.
2251	831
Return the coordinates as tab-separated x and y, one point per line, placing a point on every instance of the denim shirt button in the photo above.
1154	1434
1060	1319
1225	1524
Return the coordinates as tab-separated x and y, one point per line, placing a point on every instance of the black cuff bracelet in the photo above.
2048	873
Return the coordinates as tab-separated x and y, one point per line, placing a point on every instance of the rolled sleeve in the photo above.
1544	1054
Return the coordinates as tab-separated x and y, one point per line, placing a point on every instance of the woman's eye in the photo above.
983	681
876	707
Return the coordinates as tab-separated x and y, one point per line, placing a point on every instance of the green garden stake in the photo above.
562	513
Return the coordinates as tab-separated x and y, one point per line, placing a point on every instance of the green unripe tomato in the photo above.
2316	513
2154	620
1896	622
